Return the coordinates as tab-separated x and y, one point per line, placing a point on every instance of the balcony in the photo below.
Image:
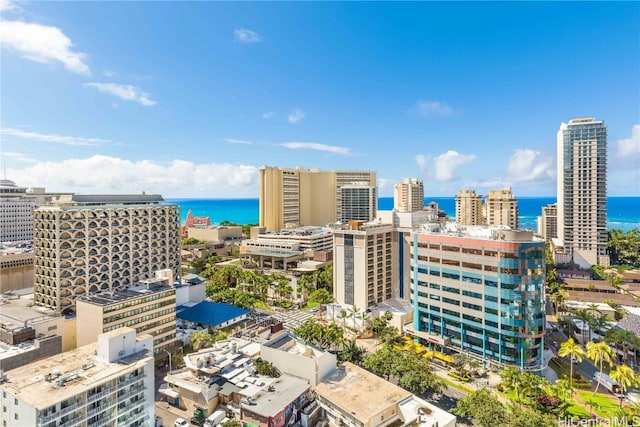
100	395
131	393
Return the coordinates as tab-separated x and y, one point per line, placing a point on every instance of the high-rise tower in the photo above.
468	208
501	208
582	189
408	196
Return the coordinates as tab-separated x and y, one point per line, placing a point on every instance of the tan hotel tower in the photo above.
301	196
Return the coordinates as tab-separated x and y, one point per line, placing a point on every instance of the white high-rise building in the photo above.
16	220
89	243
408	196
108	383
582	190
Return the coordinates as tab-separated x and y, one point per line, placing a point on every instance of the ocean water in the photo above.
622	212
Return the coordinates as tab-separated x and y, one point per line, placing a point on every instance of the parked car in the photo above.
197	421
180	422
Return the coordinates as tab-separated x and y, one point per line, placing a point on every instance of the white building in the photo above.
582	190
108	383
89	243
16	220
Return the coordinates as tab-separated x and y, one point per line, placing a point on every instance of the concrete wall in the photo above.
215	234
91	319
16	272
43	347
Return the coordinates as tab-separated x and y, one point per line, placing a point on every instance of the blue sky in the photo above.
188	99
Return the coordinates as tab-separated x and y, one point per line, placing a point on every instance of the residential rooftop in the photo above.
359	392
80	367
145	288
490	232
270	401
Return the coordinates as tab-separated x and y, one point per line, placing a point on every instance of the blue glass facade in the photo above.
481	295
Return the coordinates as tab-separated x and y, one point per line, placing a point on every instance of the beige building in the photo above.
582	190
354	397
149	308
89	243
107	383
501	208
16	270
469	208
548	222
408	196
216	234
301	196
365	264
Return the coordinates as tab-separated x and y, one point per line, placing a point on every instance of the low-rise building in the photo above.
149	307
295	358
110	382
16	267
276	405
355	397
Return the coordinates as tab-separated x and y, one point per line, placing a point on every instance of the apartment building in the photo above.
359	202
582	190
16	220
480	290
107	383
408	195
365	264
548	222
354	397
291	197
501	208
149	307
469	208
89	243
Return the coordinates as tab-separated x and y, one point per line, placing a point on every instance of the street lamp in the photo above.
169	354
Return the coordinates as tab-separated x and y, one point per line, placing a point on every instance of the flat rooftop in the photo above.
490	232
289	344
110	199
285	390
81	366
211	313
16	311
359	392
112	297
305	231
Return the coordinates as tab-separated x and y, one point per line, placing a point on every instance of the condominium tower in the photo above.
469	208
359	202
301	196
548	222
501	208
365	264
408	196
480	290
89	243
582	189
16	221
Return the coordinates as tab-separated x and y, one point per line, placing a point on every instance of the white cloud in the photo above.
527	165
105	174
421	161
430	109
17	157
108	73
238	141
296	115
267	115
445	164
315	146
58	139
42	43
6	5
124	92
246	36
629	148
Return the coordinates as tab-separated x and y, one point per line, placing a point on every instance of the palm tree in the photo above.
599	323
365	317
626	377
627	339
573	350
353	312
343	315
600	353
558	298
